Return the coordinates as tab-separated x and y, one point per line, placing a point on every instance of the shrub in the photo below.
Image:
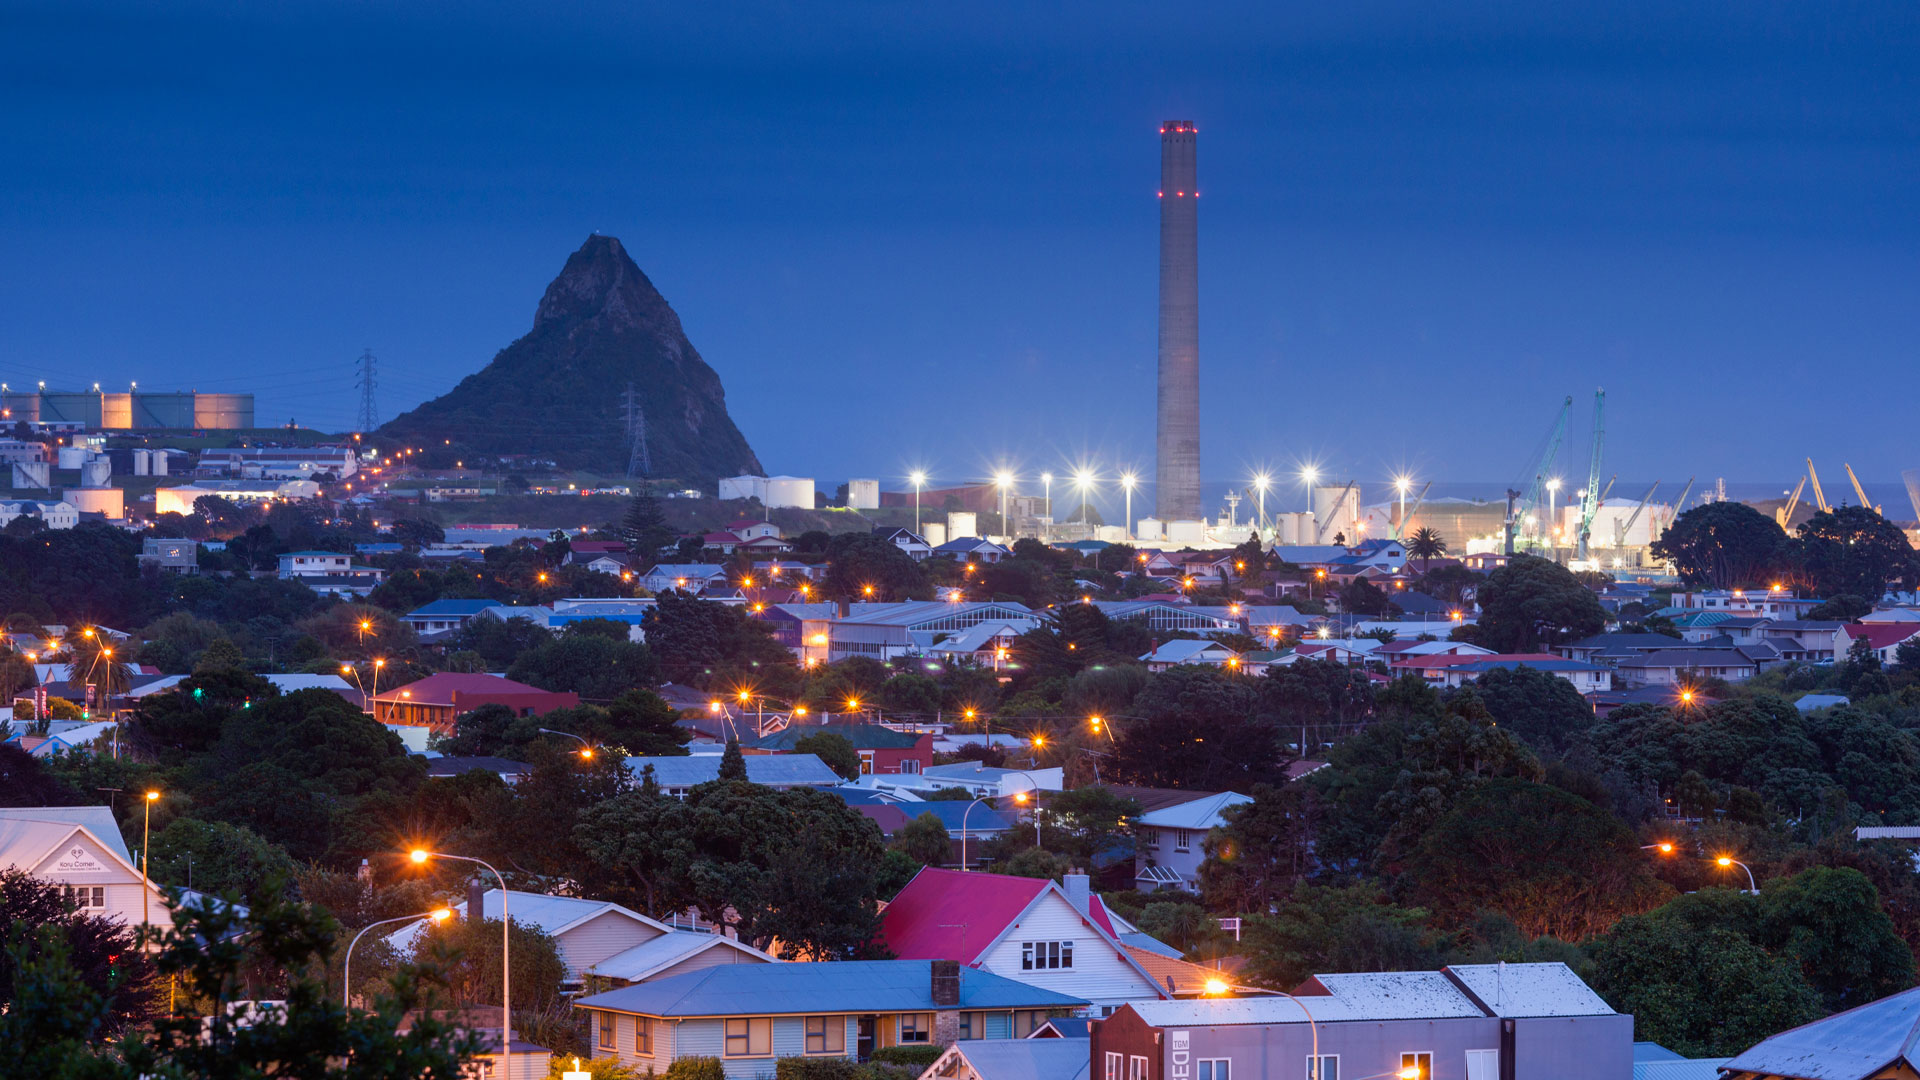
696	1068
921	1056
815	1068
600	1068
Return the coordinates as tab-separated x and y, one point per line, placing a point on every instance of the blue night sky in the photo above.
925	234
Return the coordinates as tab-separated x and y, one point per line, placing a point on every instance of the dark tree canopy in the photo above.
1723	545
1850	550
1533	602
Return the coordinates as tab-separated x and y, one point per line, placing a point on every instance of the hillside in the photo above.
556	393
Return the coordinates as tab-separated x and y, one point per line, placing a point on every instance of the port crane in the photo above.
1523	502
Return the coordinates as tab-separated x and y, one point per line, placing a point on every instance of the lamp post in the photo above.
1553	522
1127	480
1728	860
919	480
1401	484
346	970
1022	797
377	665
1260	483
1084	481
586	748
1309	476
1003	481
146	835
1046	484
420	856
964	864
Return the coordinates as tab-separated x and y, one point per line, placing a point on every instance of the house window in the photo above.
1421	1061
1329	1067
1028	1021
85	896
643	1036
916	1027
826	1034
866	763
1116	1066
1137	1067
1182	840
1212	1069
750	1037
970	1027
606	1030
1045	955
910	765
1150	838
1483	1065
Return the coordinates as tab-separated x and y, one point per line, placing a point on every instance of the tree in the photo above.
733	764
644	836
416	533
1543	709
467	953
1089	821
693	637
1830	922
833	749
37	922
1196	729
596	668
1426	545
1699	990
924	840
26	781
856	561
1552	862
216	858
501	642
1264	847
1532	602
1851	550
645	528
1723	545
1337	928
1362	597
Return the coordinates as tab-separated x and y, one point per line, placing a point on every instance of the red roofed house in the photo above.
1883	638
435	700
723	542
1029	929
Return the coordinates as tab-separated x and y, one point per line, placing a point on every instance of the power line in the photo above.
369	413
638	460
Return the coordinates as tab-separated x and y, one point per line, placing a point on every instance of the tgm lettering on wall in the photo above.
1181	1059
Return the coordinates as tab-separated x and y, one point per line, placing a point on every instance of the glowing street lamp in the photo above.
1261	481
586	748
420	857
1046	484
1003	480
438	915
1309	476
919	480
1127	480
146	833
1084	481
1401	484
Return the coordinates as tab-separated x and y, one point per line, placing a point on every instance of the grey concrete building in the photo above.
1177	443
1471	1022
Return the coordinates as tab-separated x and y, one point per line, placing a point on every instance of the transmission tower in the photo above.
366	380
638	461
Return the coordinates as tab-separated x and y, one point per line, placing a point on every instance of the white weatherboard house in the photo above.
1172	841
595	934
79	849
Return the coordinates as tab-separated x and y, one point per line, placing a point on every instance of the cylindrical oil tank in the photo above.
15	405
116	411
223	411
1335	511
171	412
64	407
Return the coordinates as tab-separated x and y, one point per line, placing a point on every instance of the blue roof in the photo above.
453	607
1851	1045
844	986
780	770
984	817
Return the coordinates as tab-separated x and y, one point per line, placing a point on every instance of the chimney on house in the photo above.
476	901
1079	889
946	983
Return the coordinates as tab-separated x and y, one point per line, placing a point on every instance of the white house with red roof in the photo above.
1029	929
1884	638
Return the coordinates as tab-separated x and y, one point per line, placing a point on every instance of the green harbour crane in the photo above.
1591	498
1524	498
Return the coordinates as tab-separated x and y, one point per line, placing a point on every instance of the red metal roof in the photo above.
439	688
1881	635
954	915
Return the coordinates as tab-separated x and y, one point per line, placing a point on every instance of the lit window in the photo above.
643	1036
607	1030
827	1034
916	1027
1045	955
750	1037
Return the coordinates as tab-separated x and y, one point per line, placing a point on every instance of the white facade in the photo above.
1100	972
962	524
57	515
79	848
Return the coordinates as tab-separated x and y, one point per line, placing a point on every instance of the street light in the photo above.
146	833
1725	861
1309	476
964	865
1084	481
1261	481
1003	480
919	479
420	857
1401	484
438	915
1553	491
1046	484
1127	480
586	748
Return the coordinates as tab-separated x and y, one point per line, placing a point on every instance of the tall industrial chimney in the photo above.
1177	442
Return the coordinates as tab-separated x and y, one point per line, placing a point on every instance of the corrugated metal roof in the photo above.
1027	1059
1851	1045
548	913
1522	990
776	770
1399	995
862	736
1198	814
1886	832
846	986
667	950
97	820
1681	1069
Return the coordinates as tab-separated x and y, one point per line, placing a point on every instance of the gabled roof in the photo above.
862	736
955	915
1687	658
439	688
1198	814
97	820
451	608
981	820
651	957
1880	635
846	986
1524	990
1024	1059
1851	1045
1182	650
553	915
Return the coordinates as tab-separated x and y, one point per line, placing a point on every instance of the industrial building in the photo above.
132	410
1177	417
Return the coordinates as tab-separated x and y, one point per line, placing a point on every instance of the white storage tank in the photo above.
72	457
744	487
788	491
1336	510
1148	530
863	494
1292	528
96	473
935	534
1186	533
143	463
962	524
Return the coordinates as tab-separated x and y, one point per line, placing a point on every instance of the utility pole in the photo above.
366	380
638	460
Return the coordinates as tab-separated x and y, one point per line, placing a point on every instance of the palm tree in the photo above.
1426	545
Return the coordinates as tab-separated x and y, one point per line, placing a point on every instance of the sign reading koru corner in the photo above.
78	860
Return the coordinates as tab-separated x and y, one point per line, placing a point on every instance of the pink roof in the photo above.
954	915
1881	635
1450	659
1097	908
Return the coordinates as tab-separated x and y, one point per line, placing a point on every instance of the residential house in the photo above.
1774	603
1031	1058
889	631
983	779
330	573
1671	667
57	514
1868	1042
881	749
1803	640
1170	842
523	1061
1458	669
615	609
763	546
1058	938
434	702
750	1015
988	644
1884	639
589	933
1187	651
679	775
972	549
747	529
587	551
686	577
442	617
906	540
79	849
507	769
170	556
1163	616
722	542
1467	1022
